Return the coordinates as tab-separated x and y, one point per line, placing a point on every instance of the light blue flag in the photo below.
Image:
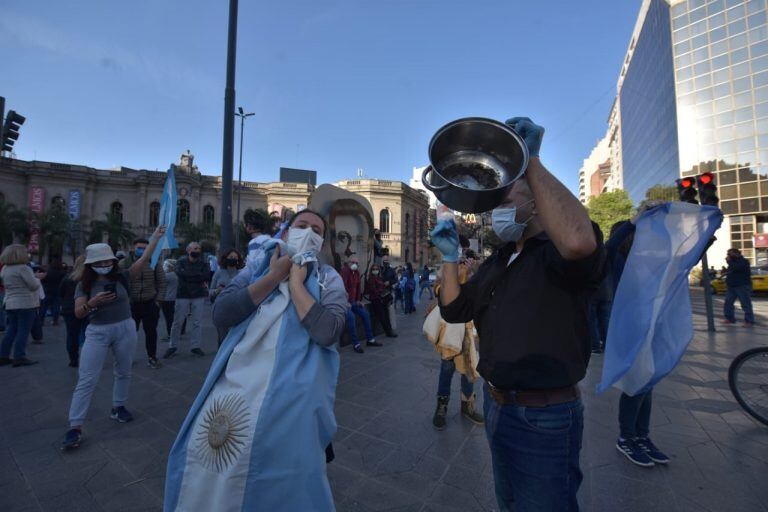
167	217
651	322
255	436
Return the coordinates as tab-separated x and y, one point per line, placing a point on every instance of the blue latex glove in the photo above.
529	131
446	239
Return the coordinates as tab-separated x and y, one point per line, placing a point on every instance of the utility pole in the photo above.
242	117
229	130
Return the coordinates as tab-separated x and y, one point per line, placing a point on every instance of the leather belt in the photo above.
534	398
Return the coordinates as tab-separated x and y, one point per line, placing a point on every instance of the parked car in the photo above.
759	281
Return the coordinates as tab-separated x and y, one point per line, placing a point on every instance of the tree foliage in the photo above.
118	231
609	208
54	226
659	193
14	224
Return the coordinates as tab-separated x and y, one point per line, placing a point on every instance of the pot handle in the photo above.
428	185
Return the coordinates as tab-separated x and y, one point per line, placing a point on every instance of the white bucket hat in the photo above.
98	252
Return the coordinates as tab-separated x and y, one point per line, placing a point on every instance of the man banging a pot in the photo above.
529	305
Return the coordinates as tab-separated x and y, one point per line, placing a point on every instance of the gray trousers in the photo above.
119	337
193	308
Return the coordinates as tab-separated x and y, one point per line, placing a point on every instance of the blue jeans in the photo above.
17	331
2	311
37	325
635	415
447	369
599	314
359	310
428	286
744	294
408	296
52	302
535	454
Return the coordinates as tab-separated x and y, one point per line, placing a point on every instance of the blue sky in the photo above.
336	85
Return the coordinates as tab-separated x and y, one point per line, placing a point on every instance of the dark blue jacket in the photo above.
739	273
617	260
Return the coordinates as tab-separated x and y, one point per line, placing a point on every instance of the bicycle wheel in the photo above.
748	380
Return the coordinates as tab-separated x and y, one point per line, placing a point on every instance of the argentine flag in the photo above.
651	322
167	217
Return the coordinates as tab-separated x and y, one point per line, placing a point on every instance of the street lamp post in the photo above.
242	117
229	129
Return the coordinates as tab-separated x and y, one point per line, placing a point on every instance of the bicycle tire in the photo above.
751	396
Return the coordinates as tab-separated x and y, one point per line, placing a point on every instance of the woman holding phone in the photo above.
102	296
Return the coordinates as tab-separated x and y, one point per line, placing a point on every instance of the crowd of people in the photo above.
279	313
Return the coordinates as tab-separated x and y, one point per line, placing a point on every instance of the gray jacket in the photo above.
171	285
324	321
22	288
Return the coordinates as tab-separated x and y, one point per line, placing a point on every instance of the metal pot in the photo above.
474	161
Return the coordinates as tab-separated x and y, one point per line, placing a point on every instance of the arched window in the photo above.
209	216
182	212
407	222
58	202
117	210
384	220
154	214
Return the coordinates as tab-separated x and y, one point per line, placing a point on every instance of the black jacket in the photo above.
193	278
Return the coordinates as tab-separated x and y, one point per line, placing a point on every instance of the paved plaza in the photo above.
388	455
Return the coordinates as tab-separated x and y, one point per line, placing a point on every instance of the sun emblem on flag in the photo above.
222	432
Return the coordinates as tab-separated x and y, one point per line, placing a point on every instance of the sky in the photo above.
335	85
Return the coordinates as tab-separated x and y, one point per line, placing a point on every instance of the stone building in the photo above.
89	194
401	214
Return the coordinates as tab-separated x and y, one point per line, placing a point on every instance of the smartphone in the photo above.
110	288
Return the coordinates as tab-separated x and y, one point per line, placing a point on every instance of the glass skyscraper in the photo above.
720	50
649	132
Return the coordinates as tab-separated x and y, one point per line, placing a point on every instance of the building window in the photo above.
208	215
117	210
407	222
154	214
58	202
182	212
384	221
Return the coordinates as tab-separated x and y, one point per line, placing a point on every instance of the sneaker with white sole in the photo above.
651	450
121	414
634	453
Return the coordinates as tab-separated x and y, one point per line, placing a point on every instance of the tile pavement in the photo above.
388	455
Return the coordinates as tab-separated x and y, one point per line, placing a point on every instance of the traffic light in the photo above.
686	189
10	131
707	189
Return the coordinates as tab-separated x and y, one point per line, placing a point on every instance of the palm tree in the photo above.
14	224
54	225
118	231
199	232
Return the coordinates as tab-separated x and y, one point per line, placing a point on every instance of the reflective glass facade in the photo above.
647	106
720	52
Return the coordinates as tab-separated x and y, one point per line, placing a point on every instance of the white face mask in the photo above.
505	224
102	271
353	266
302	240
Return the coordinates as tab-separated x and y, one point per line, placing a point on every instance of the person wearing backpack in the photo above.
103	297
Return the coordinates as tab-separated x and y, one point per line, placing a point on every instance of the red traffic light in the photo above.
687	182
706	178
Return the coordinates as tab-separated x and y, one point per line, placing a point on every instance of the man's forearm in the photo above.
562	216
301	299
449	285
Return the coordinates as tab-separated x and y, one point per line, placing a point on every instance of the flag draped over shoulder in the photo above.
167	217
651	322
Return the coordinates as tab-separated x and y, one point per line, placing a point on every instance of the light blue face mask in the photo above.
505	224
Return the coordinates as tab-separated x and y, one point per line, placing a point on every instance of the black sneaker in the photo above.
121	414
4	361
153	363
438	420
634	453
170	353
392	334
72	439
468	411
359	349
22	362
649	448
373	343
197	352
